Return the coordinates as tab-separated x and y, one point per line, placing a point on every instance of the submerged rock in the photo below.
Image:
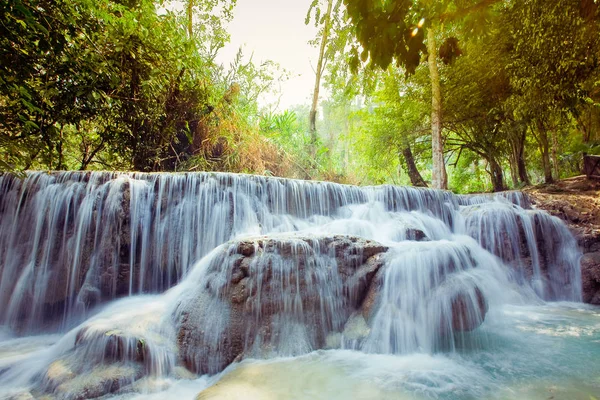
303	378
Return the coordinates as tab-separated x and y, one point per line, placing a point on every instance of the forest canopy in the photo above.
471	95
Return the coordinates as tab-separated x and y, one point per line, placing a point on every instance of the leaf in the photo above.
31	124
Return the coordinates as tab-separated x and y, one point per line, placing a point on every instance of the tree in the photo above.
121	85
205	22
394	119
389	31
49	78
440	178
554	51
325	21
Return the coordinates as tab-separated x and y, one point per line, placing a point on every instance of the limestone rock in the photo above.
275	293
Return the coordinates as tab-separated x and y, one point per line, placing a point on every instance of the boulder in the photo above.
73	378
274	294
534	244
468	313
111	352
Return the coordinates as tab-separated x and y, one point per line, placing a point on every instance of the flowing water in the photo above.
367	293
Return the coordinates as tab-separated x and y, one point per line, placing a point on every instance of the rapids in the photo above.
153	286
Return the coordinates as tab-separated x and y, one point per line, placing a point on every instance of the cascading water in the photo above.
414	293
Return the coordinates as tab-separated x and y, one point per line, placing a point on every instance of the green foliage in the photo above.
110	84
122	85
469	175
520	88
394	118
386	30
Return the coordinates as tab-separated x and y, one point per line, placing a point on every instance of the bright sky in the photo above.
275	30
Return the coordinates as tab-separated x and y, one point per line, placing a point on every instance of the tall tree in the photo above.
325	21
439	176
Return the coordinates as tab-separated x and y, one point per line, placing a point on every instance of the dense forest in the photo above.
470	95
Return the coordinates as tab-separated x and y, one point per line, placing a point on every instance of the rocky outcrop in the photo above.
589	242
71	379
539	248
284	293
119	349
576	201
76	259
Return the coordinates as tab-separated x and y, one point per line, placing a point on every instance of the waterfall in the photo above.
70	240
261	267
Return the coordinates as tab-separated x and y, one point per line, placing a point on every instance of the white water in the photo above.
520	260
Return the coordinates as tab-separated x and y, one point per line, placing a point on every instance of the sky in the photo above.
275	30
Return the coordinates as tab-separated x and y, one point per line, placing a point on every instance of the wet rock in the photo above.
355	331
539	248
468	312
75	378
312	377
77	257
590	278
416	234
59	372
21	396
286	295
112	345
246	248
102	380
370	301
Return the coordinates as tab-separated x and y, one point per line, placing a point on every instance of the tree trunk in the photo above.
346	157
413	173
523	175
547	165
555	153
517	144
59	150
190	17
521	166
439	177
318	73
514	174
542	139
88	157
496	175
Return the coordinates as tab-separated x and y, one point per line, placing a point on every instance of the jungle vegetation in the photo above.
470	95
